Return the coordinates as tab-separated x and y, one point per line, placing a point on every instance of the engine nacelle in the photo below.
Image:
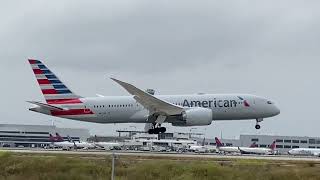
195	117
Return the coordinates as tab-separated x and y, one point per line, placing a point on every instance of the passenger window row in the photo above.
114	105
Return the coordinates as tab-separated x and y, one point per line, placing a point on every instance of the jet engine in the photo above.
195	117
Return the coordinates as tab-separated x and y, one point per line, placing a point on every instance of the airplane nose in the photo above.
276	110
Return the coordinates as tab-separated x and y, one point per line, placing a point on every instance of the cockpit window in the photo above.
269	102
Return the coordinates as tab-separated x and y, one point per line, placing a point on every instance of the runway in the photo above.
163	155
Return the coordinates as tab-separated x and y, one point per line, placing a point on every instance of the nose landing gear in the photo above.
257	124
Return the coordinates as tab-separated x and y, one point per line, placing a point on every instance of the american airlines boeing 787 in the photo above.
142	107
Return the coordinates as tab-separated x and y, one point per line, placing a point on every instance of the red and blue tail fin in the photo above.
51	138
273	145
253	145
59	138
53	90
218	142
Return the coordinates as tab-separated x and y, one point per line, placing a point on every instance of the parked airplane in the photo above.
142	107
82	145
230	149
305	152
201	148
259	150
106	145
58	141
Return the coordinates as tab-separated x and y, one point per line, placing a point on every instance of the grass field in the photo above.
58	167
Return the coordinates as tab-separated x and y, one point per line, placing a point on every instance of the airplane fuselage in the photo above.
256	150
305	152
125	109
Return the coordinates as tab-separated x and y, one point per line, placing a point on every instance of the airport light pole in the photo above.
131	133
190	132
112	168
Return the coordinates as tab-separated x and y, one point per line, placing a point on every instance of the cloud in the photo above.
266	48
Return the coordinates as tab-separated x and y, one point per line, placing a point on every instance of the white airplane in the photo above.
84	145
106	145
81	145
230	149
202	148
199	148
305	152
259	150
142	107
58	141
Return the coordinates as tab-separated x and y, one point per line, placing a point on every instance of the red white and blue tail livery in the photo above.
142	107
53	90
61	101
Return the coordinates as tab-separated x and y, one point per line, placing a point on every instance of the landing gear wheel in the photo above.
258	121
162	129
151	131
156	131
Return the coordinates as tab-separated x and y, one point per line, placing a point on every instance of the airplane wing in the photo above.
46	106
150	102
244	151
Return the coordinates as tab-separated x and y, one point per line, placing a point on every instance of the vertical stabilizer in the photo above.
53	90
59	138
218	142
273	145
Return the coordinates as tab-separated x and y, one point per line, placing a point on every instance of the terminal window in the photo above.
312	141
295	141
313	147
279	146
295	146
318	141
13	132
255	139
263	145
279	140
304	141
288	147
287	141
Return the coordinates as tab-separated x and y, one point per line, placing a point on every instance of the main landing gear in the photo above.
156	126
157	130
257	124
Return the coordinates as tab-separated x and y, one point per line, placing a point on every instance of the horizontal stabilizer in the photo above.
46	106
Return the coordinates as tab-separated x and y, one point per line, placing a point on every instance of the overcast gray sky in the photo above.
267	48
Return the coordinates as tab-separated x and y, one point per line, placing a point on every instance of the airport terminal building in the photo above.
15	135
283	143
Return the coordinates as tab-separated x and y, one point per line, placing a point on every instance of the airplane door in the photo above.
107	112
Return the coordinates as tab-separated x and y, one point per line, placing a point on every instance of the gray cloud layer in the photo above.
266	48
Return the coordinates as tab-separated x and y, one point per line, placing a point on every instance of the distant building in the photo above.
283	143
15	135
